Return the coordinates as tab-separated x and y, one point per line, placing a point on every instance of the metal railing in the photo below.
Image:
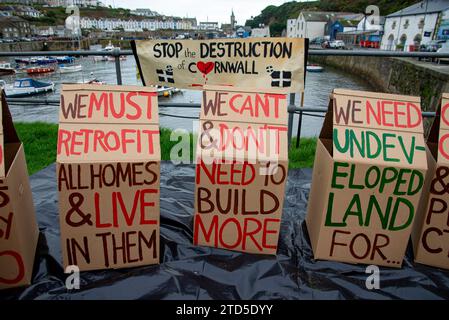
292	108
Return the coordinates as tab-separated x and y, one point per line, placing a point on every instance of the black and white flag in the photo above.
165	75
281	79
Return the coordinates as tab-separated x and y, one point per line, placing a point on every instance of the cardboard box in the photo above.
431	230
18	228
369	169
241	170
108	171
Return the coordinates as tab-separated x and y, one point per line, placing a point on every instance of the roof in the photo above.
318	15
348	23
359	32
427	6
10	20
325	16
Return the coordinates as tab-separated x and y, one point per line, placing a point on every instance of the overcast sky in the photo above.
202	10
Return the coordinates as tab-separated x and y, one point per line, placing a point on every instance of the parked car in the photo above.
443	49
337	44
318	41
432	46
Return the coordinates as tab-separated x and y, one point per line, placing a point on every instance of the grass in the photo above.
40	139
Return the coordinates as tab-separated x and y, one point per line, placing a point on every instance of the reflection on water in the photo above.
318	88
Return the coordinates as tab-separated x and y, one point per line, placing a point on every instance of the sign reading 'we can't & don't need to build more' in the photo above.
241	169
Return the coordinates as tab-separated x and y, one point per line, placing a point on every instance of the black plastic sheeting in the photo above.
190	272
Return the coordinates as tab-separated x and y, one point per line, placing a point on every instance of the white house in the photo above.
260	32
313	24
144	12
291	28
414	25
371	23
208	26
133	25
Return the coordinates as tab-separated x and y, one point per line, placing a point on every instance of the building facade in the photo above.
14	27
144	12
135	25
415	25
260	32
291	28
208	26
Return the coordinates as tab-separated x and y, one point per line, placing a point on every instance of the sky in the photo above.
202	10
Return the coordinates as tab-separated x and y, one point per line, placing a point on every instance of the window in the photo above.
393	25
406	24
421	24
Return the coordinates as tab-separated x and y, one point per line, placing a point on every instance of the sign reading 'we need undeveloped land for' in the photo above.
108	171
370	166
261	63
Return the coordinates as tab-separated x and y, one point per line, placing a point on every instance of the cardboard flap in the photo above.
439	134
376	128
8	133
239	124
108	123
377	111
327	128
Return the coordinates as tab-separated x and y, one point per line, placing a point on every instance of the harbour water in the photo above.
318	88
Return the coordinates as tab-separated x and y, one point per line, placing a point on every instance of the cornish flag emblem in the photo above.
281	79
165	75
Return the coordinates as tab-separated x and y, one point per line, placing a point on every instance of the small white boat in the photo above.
112	58
109	48
70	69
100	58
26	87
6	69
314	68
94	81
166	91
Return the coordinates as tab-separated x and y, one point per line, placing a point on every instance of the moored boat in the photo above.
70	69
26	87
65	59
46	60
112	58
314	68
166	91
6	69
26	60
39	70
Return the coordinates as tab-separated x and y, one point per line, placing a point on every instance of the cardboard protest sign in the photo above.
246	63
431	230
18	228
368	177
108	171
241	169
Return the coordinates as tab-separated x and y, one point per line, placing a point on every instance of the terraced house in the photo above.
415	25
14	27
